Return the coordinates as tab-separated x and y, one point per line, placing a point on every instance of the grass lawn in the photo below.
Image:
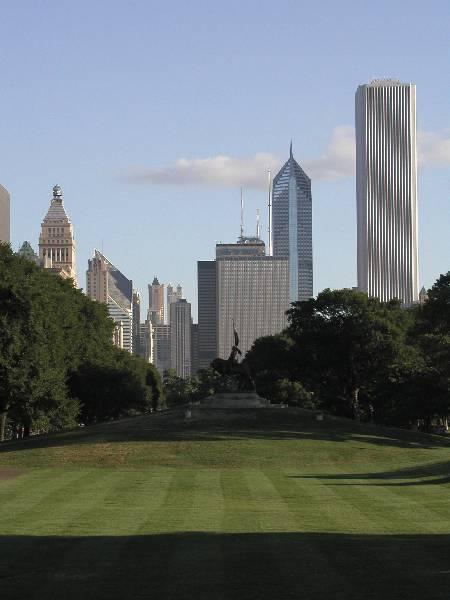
264	504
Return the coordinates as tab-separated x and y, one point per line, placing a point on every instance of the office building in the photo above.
242	286
386	190
161	347
292	226
180	337
105	283
56	241
194	348
146	341
156	302
4	215
207	312
252	292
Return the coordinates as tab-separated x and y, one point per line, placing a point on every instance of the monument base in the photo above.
234	400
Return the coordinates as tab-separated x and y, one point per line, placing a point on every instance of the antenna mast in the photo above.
258	228
242	215
270	213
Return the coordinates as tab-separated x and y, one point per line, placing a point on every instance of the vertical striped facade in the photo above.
386	190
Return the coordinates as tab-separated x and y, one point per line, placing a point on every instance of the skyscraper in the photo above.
105	283
136	309
292	226
386	190
161	347
56	241
4	215
180	337
173	294
207	312
252	292
27	251
156	302
146	341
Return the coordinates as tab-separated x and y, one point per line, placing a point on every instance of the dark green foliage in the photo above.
57	359
346	342
362	358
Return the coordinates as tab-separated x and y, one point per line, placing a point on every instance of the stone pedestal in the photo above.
234	400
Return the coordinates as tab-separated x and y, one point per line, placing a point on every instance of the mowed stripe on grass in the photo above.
319	525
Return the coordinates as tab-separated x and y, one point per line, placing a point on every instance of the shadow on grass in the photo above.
431	474
199	566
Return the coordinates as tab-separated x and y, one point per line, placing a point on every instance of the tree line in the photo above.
353	356
58	364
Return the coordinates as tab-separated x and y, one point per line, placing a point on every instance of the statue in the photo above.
238	372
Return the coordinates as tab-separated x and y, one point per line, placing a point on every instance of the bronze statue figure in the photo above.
238	372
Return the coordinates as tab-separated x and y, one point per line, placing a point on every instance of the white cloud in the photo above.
433	148
338	161
221	171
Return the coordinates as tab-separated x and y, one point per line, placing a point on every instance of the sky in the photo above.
152	115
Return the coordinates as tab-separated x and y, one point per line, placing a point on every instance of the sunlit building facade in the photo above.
56	241
105	283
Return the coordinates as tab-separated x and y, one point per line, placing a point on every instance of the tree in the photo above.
57	358
345	342
432	337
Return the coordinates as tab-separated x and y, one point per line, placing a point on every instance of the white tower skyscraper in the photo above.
386	190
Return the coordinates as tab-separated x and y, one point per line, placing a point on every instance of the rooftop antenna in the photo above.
258	228
270	213
242	215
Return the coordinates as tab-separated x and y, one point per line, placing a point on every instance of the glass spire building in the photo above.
292	226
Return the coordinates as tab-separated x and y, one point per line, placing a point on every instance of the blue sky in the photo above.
100	96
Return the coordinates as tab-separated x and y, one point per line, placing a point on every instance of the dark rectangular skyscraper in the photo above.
292	227
207	318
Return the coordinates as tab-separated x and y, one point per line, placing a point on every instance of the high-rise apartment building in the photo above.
4	215
173	294
156	302
292	226
386	190
57	241
180	337
105	283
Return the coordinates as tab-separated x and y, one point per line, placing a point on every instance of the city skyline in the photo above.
143	137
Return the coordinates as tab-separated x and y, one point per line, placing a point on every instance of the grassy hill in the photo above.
261	504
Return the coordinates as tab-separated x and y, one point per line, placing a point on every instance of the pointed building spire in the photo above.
290	151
